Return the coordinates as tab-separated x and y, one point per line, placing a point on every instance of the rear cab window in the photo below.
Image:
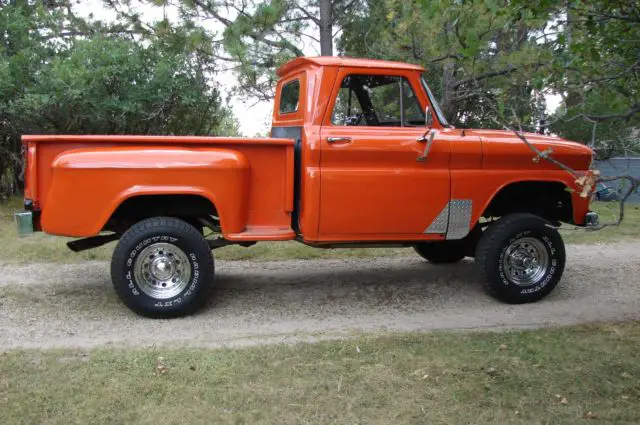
290	97
290	103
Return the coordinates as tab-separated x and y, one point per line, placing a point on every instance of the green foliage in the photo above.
610	138
252	38
477	54
489	60
257	37
595	63
60	74
116	86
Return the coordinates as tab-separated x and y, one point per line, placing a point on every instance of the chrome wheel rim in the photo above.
162	271
525	261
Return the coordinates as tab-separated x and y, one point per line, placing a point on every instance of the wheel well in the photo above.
549	200
137	208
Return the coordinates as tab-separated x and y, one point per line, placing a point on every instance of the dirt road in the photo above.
61	306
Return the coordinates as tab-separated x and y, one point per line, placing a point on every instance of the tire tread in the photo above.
487	244
133	234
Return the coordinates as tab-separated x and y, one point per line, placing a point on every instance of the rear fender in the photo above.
89	184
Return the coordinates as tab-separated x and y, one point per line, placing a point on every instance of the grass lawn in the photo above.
45	248
549	376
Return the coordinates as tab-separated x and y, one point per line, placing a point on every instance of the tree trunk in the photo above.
574	97
326	28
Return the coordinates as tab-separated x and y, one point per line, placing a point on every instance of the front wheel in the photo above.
162	267
521	258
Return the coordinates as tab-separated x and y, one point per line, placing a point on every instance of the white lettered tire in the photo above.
521	258
162	267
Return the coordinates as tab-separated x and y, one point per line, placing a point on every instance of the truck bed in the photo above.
77	182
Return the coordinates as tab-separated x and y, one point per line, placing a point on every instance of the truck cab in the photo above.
368	171
359	154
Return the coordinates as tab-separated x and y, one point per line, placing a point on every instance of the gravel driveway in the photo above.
63	306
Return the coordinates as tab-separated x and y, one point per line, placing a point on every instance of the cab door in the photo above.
373	184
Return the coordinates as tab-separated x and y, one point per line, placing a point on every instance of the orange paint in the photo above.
367	186
82	179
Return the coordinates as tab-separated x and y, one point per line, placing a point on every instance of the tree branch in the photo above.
486	75
309	36
446	56
344	9
79	33
282	44
635	109
605	15
308	15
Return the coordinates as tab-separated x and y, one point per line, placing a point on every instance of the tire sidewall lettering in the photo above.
551	269
185	295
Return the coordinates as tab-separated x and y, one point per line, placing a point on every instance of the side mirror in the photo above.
428	118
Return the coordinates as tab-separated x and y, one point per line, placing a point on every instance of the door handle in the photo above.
338	139
427	148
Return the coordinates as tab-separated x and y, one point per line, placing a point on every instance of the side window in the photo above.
290	97
376	100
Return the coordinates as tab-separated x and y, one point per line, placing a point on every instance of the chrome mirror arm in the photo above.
427	148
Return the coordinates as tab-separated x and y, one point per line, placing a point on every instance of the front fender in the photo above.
89	184
580	206
482	187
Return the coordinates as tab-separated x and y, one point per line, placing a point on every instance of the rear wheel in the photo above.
162	267
521	258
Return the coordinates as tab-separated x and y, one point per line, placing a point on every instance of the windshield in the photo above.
434	104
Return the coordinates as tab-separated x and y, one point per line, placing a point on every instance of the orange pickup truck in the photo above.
359	155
